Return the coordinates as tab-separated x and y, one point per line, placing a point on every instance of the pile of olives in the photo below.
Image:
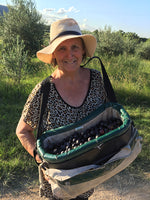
79	138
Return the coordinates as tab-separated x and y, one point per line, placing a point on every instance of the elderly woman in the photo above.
74	93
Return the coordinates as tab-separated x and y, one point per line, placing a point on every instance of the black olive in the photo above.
55	151
78	139
101	131
96	136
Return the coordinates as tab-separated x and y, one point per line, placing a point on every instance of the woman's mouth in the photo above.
69	62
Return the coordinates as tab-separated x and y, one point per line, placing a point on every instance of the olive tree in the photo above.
23	20
15	61
131	41
143	50
109	43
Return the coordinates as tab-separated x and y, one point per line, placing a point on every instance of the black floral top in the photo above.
58	112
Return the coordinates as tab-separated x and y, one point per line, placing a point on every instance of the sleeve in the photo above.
31	109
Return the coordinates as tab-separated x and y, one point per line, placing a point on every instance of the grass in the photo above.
133	91
14	160
130	78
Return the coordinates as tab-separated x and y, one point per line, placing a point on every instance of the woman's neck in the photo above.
70	77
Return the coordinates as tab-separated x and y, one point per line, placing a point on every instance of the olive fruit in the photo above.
79	138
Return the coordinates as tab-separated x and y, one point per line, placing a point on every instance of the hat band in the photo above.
66	33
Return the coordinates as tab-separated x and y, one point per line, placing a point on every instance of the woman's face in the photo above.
69	54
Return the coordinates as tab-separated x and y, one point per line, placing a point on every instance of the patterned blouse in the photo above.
58	112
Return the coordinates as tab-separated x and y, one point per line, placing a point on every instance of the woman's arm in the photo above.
25	134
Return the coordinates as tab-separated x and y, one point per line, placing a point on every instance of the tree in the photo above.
109	43
131	40
143	50
23	20
15	61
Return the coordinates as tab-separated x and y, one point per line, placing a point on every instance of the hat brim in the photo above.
45	54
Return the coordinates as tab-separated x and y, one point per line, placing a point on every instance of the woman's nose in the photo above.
69	53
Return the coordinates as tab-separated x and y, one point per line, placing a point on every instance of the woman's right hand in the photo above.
38	159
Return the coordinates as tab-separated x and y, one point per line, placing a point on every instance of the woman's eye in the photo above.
61	49
75	47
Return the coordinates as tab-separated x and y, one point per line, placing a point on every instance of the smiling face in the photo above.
69	54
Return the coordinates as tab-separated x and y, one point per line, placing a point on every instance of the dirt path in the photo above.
124	186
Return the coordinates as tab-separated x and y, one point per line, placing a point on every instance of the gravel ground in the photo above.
124	186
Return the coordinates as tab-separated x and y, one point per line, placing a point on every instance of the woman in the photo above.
75	91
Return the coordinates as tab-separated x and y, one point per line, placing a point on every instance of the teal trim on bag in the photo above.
89	145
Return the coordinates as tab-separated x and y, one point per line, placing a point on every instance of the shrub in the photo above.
109	43
23	20
14	61
143	51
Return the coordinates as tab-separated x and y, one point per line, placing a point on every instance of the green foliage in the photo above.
109	43
23	20
1	47
15	61
130	45
130	78
143	50
129	35
131	40
116	43
45	39
1	23
127	75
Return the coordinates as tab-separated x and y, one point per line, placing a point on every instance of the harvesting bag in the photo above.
96	151
67	184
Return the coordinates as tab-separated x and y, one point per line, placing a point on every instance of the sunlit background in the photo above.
126	15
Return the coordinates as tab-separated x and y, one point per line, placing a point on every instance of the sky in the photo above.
126	15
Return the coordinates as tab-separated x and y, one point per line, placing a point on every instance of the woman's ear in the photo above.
53	62
84	57
53	56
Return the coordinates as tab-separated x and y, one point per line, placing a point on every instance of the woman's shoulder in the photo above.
95	73
39	85
36	91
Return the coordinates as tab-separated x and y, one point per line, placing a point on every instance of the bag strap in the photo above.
107	84
45	89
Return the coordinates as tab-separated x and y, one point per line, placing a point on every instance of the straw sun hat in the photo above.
62	30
